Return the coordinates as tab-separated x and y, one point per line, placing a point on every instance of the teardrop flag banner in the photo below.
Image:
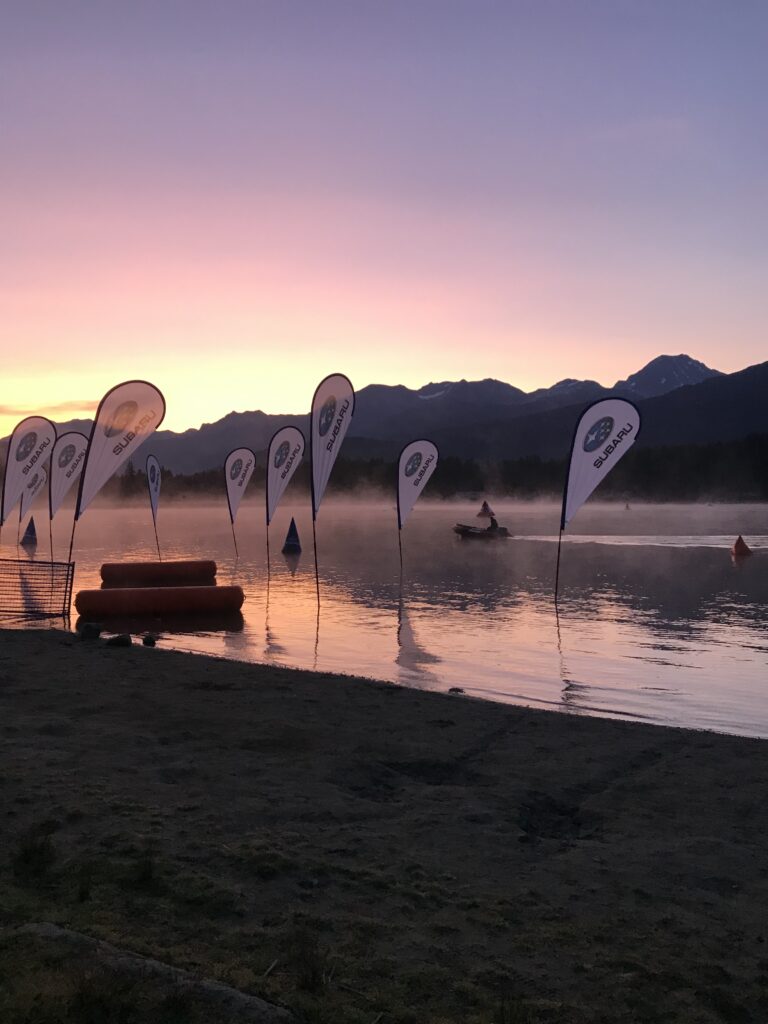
605	432
29	446
238	470
153	484
126	417
37	482
286	450
333	406
66	466
418	461
154	478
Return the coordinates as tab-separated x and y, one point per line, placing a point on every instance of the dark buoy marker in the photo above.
740	548
292	544
29	540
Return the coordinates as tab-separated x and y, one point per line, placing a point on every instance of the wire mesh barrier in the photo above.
35	589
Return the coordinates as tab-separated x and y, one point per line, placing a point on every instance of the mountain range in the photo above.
682	402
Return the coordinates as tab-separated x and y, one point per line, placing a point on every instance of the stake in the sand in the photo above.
606	430
333	406
285	452
125	418
238	470
67	460
154	479
417	463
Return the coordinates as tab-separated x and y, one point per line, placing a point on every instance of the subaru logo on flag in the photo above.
237	466
25	446
325	419
122	418
152	474
282	453
413	464
598	433
66	455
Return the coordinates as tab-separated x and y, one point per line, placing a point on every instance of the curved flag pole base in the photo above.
269	568
50	535
400	548
157	542
317	571
72	540
557	567
234	541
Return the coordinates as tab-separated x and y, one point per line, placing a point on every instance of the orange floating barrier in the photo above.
147	574
139	601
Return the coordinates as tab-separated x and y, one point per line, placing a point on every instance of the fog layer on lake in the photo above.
656	622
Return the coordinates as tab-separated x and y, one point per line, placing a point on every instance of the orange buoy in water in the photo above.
158	574
158	600
740	549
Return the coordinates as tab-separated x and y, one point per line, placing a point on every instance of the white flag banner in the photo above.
238	470
30	445
66	466
286	450
605	432
333	406
153	484
126	417
37	482
418	461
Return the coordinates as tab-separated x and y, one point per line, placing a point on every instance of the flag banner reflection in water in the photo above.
34	487
238	470
29	447
605	432
153	484
286	450
333	406
418	461
66	466
126	417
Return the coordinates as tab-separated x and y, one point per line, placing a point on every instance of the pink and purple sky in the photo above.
232	199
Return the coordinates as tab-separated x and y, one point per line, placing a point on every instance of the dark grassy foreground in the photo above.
361	853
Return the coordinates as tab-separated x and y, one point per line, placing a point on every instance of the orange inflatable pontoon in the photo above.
158	574
137	601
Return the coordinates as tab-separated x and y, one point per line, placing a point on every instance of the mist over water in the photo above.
656	623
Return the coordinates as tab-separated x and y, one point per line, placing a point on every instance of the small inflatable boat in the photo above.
478	533
137	601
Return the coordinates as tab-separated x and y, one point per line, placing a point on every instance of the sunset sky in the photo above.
232	199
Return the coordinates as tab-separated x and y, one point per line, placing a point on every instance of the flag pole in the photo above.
317	571
268	562
234	540
72	539
557	567
400	548
157	540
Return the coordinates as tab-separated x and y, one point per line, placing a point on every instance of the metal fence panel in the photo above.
35	589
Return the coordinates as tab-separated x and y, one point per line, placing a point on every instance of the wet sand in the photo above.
359	852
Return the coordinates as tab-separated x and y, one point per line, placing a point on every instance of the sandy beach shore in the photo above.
355	852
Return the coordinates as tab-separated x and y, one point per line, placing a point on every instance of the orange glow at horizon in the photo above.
249	308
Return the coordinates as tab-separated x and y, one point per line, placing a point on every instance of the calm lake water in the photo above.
656	623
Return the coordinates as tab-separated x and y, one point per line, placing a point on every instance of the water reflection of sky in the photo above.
656	623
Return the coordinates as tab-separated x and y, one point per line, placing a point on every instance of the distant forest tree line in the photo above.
726	471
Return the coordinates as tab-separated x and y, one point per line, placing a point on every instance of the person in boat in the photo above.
493	528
